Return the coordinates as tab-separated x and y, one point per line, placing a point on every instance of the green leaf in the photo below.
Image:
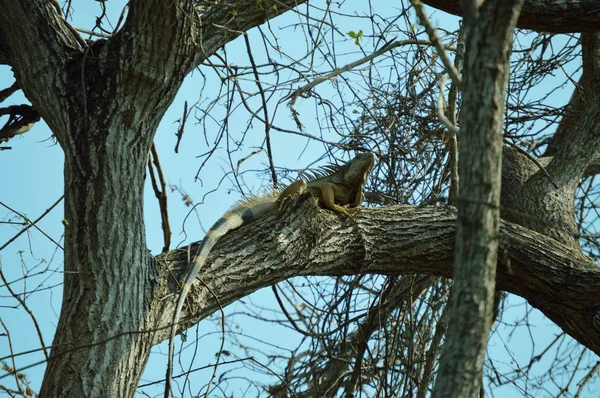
356	36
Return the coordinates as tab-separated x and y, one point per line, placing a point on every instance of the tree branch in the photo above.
556	16
387	240
223	23
577	141
489	31
38	53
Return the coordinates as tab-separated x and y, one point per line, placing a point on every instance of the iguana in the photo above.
338	188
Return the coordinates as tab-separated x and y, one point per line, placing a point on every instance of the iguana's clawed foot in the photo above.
349	212
290	198
282	202
353	210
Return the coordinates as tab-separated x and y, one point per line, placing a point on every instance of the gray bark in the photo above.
488	39
555	16
388	240
545	204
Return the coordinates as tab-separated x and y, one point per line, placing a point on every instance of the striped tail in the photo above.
231	220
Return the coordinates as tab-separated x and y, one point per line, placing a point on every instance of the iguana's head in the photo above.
359	169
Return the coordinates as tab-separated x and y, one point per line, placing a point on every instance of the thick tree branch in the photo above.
568	127
226	21
191	35
577	141
387	240
161	38
160	41
489	31
547	205
38	53
557	16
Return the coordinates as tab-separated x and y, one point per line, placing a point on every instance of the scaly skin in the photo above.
340	191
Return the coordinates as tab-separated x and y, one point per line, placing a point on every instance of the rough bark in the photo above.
579	146
103	102
572	120
390	240
556	16
109	275
545	204
488	39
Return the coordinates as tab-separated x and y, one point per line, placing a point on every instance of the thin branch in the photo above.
263	98
161	195
32	224
301	91
92	33
13	370
7	92
181	126
587	378
431	31
453	118
440	109
26	308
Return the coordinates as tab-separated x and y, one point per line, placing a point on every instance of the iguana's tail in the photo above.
244	213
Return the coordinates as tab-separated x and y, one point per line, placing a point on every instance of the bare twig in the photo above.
181	126
585	380
32	224
23	304
7	92
431	31
453	118
265	109
161	194
440	109
336	72
92	33
12	357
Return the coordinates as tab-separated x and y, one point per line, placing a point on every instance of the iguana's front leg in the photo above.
328	200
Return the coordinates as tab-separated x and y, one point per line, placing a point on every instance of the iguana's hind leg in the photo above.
295	189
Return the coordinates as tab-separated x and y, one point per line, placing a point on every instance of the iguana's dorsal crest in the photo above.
356	170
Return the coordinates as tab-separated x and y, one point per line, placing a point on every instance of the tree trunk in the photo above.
488	39
104	101
109	273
